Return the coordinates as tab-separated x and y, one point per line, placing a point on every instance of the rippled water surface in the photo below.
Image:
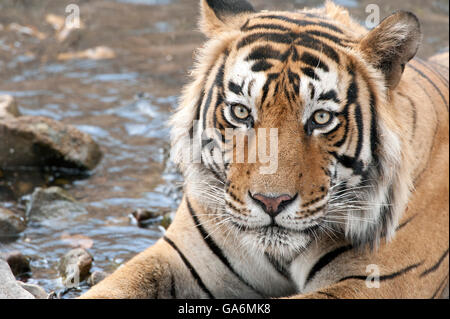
124	104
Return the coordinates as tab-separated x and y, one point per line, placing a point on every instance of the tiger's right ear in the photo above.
218	16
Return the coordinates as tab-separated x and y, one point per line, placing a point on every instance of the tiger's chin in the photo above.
276	240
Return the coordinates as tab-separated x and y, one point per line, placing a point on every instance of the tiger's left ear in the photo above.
218	16
392	44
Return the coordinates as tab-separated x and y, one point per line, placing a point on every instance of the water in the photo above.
124	104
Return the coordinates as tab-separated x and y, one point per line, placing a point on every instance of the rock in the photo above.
9	287
141	214
96	277
74	267
37	291
27	30
167	220
18	263
61	27
77	240
36	141
144	217
10	223
52	202
8	107
97	53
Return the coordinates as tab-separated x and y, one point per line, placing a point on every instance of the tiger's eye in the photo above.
240	111
322	117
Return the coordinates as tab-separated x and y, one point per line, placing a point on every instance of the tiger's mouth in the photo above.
276	228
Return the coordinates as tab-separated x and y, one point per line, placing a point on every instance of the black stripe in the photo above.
261	66
313	43
435	266
349	162
328	36
294	80
443	79
191	269
312	90
330	95
301	23
197	112
360	127
431	82
374	138
218	82
264	52
333	130
445	281
235	88
384	277
310	72
173	290
278	267
265	26
214	248
286	38
405	222
270	77
325	260
352	95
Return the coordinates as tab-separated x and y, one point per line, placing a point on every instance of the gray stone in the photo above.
52	202
19	263
74	267
35	141
10	223
96	277
8	107
9	287
37	291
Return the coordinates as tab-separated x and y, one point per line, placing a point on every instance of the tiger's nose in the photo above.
272	205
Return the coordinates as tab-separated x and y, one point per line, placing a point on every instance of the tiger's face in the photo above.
273	80
302	76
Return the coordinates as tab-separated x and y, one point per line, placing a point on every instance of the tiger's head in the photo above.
307	93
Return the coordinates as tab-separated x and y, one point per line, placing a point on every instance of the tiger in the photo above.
357	206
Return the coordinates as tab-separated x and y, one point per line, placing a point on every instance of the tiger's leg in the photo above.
415	264
164	270
151	274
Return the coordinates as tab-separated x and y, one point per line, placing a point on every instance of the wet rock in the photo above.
144	214
10	223
52	202
74	267
9	286
96	277
19	263
167	220
37	291
8	107
27	30
144	217
77	240
97	53
36	141
63	30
